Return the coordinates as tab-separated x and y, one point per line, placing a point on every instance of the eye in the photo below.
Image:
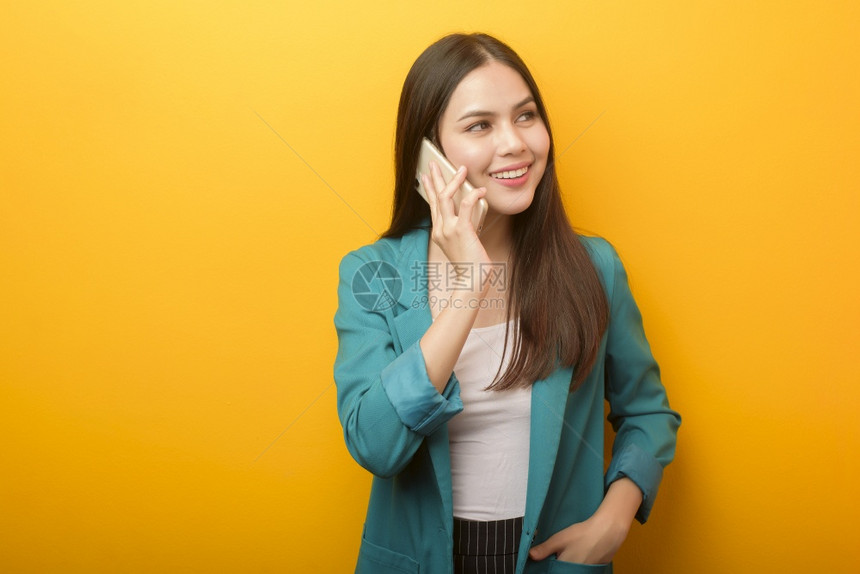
527	115
478	126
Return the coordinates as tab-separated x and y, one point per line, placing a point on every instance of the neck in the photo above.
497	237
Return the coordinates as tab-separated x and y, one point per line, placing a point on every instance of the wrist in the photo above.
466	293
612	522
465	302
620	504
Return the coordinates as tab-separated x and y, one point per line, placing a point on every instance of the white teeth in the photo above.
510	174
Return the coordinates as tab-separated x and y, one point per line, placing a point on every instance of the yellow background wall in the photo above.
180	179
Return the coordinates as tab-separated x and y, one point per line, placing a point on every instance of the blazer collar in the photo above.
413	316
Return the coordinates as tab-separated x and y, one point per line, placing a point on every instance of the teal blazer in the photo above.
394	420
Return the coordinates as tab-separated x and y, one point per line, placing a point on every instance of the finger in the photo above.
429	189
456	182
458	178
467	207
447	188
551	545
432	199
436	176
444	192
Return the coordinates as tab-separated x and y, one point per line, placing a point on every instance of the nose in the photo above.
509	140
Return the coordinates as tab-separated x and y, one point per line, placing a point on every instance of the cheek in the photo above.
539	143
474	157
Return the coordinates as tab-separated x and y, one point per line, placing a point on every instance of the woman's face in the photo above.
492	127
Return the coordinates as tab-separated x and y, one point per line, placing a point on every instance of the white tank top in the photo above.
489	440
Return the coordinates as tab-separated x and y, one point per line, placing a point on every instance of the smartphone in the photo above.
431	152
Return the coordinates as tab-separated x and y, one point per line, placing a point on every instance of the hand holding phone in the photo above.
429	153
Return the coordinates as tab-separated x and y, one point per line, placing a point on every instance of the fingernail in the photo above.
462	169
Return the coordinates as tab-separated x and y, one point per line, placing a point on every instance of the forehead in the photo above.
493	87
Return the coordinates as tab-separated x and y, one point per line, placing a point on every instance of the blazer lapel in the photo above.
549	398
412	320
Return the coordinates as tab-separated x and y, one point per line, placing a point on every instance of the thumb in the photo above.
550	546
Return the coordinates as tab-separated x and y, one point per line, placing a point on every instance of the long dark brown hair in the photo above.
555	291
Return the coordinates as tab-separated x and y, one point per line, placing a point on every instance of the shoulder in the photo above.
390	250
383	249
606	262
602	253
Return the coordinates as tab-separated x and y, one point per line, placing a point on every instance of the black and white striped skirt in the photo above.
486	547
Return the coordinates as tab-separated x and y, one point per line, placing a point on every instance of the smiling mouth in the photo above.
513	174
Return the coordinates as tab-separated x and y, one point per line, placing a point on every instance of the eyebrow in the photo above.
481	113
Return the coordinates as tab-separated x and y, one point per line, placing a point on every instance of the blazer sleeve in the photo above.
645	426
385	400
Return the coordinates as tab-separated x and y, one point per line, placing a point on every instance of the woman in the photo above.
472	369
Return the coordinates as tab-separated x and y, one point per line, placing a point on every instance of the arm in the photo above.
444	340
385	400
645	429
645	425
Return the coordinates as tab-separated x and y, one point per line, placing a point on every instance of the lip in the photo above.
512	167
517	181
